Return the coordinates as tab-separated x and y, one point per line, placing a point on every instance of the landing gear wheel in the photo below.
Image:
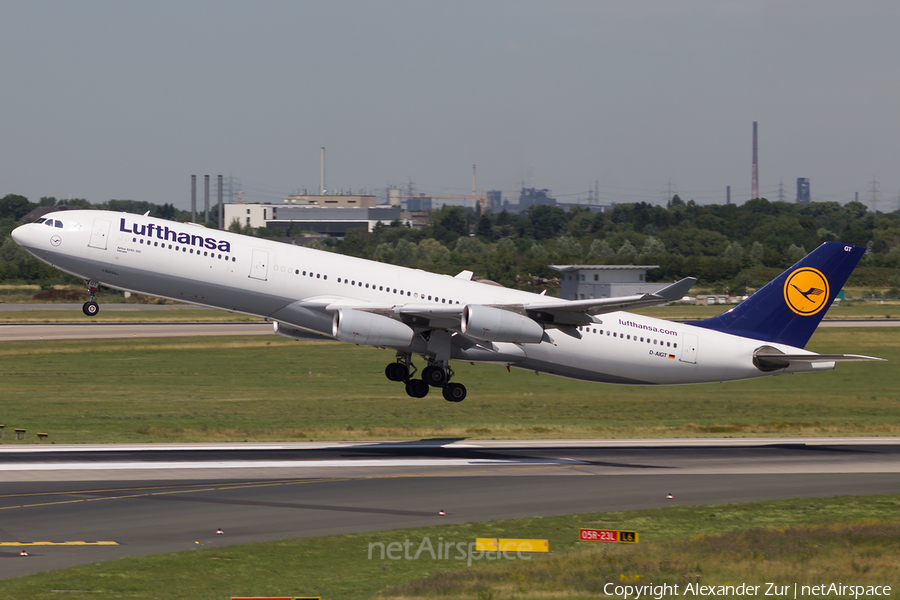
454	392
416	388
396	372
90	308
434	376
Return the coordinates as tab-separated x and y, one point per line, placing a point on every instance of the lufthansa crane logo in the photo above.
806	291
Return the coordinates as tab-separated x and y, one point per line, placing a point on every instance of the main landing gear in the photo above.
91	308
434	375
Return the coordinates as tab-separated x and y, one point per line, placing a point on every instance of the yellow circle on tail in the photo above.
806	291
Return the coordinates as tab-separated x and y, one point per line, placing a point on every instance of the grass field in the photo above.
269	388
852	540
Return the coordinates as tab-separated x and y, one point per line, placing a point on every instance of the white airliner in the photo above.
443	318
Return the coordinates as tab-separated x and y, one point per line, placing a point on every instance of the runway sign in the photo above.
511	545
608	535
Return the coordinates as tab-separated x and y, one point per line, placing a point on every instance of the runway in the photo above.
19	332
162	498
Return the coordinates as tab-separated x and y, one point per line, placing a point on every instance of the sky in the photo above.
126	100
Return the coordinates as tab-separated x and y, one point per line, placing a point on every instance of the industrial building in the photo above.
319	217
582	282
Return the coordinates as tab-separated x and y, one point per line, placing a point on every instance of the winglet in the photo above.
677	290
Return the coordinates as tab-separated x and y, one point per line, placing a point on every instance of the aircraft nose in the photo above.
18	235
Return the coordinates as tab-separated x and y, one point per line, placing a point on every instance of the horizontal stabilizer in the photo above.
766	361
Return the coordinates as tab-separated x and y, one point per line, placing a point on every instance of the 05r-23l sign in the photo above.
608	535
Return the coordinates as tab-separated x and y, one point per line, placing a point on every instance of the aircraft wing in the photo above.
551	313
580	312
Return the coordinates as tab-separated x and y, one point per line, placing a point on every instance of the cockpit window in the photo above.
41	220
49	222
58	224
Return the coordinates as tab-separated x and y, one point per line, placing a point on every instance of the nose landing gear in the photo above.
91	308
434	375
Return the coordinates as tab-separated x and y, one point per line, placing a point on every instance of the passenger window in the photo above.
324	276
317	275
367	286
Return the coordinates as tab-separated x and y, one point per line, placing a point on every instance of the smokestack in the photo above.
474	201
221	206
727	194
322	172
193	198
205	198
754	192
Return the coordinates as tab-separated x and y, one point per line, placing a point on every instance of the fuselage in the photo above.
229	271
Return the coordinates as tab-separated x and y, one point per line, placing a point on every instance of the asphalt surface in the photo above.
158	498
19	332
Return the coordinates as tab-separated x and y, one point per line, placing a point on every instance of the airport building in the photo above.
582	282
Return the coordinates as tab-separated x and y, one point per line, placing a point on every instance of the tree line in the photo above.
726	246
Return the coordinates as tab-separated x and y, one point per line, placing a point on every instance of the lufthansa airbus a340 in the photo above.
443	318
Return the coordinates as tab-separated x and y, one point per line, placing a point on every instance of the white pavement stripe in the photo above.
275	464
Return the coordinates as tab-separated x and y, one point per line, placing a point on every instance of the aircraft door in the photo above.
689	348
99	234
259	265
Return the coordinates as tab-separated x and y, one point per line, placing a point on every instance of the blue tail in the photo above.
788	309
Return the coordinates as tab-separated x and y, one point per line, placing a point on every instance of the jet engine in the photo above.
361	327
490	324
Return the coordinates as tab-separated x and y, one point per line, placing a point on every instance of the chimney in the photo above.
754	191
322	172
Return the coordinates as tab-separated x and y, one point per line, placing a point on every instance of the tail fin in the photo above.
788	309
